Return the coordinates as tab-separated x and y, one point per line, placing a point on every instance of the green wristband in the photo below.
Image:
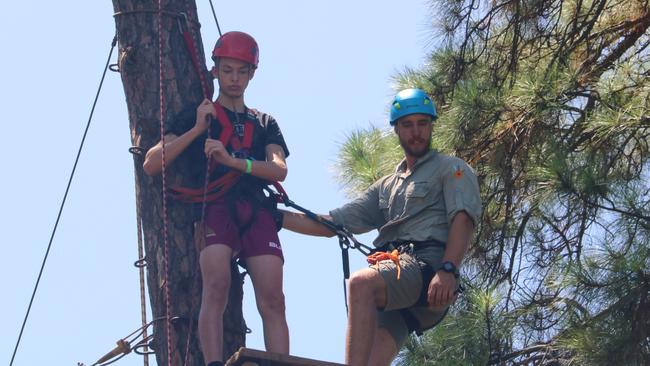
249	166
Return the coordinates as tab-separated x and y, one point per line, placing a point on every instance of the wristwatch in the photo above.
449	267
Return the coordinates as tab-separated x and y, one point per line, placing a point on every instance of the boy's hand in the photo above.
215	150
204	114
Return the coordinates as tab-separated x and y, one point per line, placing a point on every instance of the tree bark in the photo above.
137	31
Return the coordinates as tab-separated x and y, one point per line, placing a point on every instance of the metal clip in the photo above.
183	22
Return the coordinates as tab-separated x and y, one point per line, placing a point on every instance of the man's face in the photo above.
414	133
233	76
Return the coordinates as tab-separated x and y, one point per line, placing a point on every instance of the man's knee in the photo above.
367	284
359	283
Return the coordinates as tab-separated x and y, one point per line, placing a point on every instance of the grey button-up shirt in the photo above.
415	206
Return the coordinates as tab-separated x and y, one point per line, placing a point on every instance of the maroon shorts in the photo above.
259	237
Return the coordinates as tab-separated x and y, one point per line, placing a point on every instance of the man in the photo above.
237	224
427	209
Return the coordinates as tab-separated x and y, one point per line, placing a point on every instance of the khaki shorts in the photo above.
404	295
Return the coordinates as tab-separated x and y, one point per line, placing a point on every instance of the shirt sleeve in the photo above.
460	190
362	214
274	135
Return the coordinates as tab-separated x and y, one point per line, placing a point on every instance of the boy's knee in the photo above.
272	305
215	291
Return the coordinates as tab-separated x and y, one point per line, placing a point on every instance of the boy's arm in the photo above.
175	145
273	169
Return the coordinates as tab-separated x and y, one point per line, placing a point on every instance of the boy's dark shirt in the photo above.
266	132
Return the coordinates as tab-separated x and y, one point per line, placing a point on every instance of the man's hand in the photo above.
442	290
204	113
215	150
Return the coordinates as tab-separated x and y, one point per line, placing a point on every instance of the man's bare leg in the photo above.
367	292
384	349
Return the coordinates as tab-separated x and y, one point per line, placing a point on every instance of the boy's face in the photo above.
233	76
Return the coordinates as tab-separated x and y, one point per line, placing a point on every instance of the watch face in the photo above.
449	267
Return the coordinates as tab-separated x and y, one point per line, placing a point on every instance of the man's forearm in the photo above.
300	223
460	234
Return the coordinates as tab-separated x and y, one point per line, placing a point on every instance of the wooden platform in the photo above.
253	357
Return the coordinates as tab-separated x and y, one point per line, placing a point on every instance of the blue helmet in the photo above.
411	101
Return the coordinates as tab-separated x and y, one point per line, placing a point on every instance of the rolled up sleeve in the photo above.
362	214
461	192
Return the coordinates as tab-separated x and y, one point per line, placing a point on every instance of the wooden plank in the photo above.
253	357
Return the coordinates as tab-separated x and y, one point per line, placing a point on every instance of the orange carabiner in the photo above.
377	257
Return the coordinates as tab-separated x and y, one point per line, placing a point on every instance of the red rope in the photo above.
190	44
207	94
189	37
164	187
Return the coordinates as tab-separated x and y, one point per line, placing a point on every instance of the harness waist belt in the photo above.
420	244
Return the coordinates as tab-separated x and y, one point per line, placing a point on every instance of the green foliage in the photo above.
463	337
549	101
616	327
366	156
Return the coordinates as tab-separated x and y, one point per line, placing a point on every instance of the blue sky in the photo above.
325	70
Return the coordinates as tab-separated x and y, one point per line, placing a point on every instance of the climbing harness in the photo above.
220	186
217	188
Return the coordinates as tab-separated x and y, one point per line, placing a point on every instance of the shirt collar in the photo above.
401	167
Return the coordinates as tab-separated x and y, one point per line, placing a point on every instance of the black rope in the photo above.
65	195
346	239
214	15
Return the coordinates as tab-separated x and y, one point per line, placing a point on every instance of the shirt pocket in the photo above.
421	195
417	189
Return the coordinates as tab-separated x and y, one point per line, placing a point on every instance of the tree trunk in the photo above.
137	30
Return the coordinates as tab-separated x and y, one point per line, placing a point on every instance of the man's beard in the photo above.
415	153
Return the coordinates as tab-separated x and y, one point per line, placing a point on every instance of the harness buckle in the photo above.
240	154
407	248
402	246
239	129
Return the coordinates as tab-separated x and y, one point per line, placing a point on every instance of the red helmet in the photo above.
237	45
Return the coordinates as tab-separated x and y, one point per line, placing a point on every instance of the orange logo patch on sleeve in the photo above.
458	172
